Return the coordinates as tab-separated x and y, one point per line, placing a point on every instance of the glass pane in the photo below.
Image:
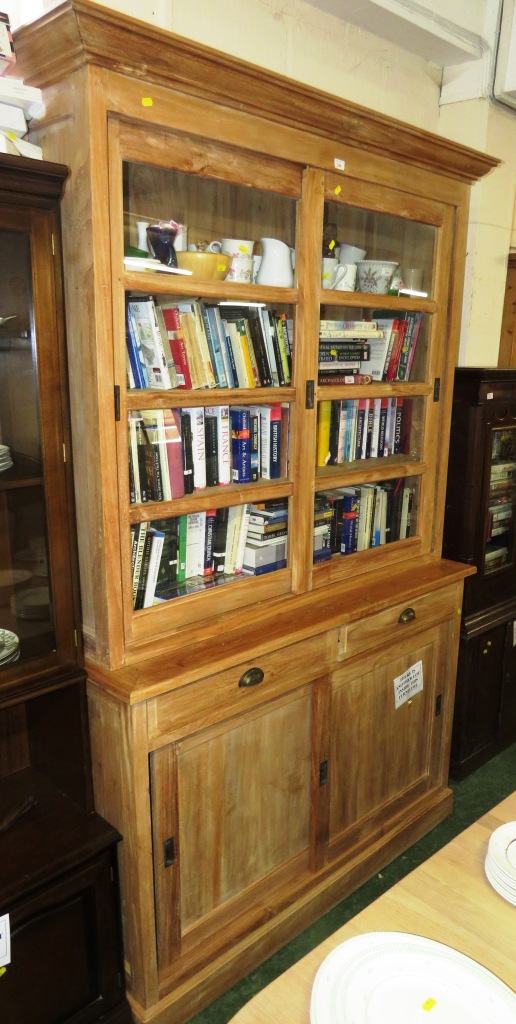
392	254
209	216
356	518
349	430
26	622
499	549
181	555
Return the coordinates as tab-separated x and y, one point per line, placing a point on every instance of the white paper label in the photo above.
5	941
339	164
514	633
406	685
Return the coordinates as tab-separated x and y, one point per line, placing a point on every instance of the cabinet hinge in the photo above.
53	245
309	395
437	388
438	704
64	453
323	773
169	852
75	638
117	402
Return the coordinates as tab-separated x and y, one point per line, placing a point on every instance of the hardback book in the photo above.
174	449
134	351
182	532
142	312
341	350
196	416
240	444
283	329
140	530
219	540
211	448
392	367
156	548
361	428
195	527
154	421
270	441
366	454
141	455
278	347
349	521
257	341
135	491
187	453
191	343
323	432
261	528
209	541
242	340
268	333
378	349
235	517
334	433
176	341
365	517
262	570
144	566
407	356
237	355
213	339
256	557
153	455
271	510
336	379
255	442
204	348
167	572
221	414
349	328
375	434
224	347
174	379
242	539
262	539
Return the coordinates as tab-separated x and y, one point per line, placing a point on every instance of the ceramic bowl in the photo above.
205	266
375	275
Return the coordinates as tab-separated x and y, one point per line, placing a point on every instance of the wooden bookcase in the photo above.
479	530
247	811
59	881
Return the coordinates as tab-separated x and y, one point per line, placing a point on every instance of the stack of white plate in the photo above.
397	978
9	647
31	604
501	861
5	457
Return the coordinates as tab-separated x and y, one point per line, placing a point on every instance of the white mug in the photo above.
237	246
345	277
241	269
329	266
350	254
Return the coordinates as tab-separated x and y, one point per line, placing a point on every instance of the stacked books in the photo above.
363	428
204	345
361	351
18	102
368	515
173	452
190	553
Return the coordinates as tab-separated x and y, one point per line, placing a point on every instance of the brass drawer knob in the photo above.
408	615
252	677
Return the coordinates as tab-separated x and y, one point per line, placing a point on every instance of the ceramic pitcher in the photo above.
276	266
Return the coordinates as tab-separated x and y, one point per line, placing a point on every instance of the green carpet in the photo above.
473	797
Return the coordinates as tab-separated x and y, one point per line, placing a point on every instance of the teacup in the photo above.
345	277
375	275
351	254
329	266
237	246
241	269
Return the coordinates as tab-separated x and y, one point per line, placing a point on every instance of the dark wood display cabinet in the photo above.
58	881
479	529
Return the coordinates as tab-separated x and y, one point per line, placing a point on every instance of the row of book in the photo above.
366	516
195	344
362	428
382	349
188	553
173	452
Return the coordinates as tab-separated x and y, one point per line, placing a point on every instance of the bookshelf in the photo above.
479	530
246	740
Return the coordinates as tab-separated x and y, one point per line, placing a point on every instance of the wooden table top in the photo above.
447	898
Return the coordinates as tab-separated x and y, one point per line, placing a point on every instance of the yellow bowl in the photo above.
205	266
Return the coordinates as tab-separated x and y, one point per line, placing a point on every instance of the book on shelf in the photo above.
187	453
337	379
156	548
413	320
285	329
271	344
209	542
255	442
138	533
348	328
339	351
211	331
234	528
174	449
391	367
196	417
240	444
323	432
167	571
142	316
378	350
176	341
219	540
138	374
259	344
242	538
195	527
196	343
223	435
243	354
211	449
270	441
227	359
154	455
257	557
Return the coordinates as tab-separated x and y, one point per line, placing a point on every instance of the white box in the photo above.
12	119
15	92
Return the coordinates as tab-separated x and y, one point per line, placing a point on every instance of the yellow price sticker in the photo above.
338	189
332	244
147	101
428	1004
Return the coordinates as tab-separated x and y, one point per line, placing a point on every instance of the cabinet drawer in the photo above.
403	618
195	707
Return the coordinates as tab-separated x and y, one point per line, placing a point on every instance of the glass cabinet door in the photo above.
499	538
26	617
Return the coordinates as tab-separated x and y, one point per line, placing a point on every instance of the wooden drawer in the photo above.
402	619
195	707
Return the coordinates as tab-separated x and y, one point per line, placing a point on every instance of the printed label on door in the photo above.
5	941
406	685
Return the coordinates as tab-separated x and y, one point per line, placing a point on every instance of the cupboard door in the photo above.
231	822
387	756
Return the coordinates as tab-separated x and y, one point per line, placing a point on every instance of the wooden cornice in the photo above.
80	33
23	179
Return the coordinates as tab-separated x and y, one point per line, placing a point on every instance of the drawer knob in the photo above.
252	677
407	616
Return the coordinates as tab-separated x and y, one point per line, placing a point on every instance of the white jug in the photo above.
276	266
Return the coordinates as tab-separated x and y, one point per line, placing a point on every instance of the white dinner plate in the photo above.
501	888
9	646
32	604
502	847
397	978
12	577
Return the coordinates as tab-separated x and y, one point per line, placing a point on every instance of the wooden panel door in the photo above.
231	823
385	757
